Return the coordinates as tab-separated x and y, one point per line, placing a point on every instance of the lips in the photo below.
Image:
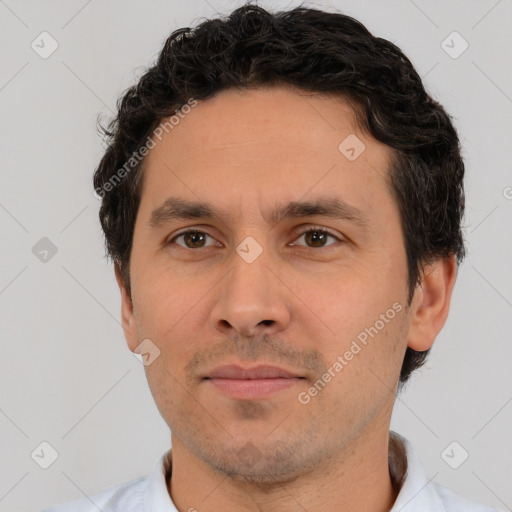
257	372
256	383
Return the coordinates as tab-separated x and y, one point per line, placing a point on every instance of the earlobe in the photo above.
431	303
127	316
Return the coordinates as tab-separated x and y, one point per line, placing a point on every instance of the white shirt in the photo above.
149	493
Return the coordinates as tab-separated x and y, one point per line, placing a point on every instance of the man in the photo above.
282	201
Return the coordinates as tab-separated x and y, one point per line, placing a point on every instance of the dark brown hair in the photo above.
315	51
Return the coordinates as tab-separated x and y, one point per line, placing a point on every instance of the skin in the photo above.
298	305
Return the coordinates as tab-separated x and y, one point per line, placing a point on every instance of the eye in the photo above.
316	238
312	237
193	239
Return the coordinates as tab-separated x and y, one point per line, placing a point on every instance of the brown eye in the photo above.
317	238
192	239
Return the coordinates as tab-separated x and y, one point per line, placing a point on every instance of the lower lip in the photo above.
253	388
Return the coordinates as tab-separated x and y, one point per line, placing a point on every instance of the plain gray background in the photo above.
66	375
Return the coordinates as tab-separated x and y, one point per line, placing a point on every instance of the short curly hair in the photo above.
315	51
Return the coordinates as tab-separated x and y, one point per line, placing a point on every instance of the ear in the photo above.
127	317
431	303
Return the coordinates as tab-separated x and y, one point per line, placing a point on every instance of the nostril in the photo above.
267	322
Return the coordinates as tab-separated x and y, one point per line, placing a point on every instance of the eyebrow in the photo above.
175	208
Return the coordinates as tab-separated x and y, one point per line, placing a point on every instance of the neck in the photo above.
366	475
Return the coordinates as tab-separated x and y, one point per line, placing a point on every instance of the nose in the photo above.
253	301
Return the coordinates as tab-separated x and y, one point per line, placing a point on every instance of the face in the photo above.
294	259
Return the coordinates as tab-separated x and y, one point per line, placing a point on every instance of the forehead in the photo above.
266	143
275	116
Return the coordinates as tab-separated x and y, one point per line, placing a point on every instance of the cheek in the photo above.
358	316
166	315
344	299
166	296
364	365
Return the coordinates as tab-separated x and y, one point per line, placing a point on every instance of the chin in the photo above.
277	464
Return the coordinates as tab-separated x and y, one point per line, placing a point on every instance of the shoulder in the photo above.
125	497
453	502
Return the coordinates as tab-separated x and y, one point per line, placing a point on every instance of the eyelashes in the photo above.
195	239
324	235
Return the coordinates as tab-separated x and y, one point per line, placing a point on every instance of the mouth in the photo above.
250	383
